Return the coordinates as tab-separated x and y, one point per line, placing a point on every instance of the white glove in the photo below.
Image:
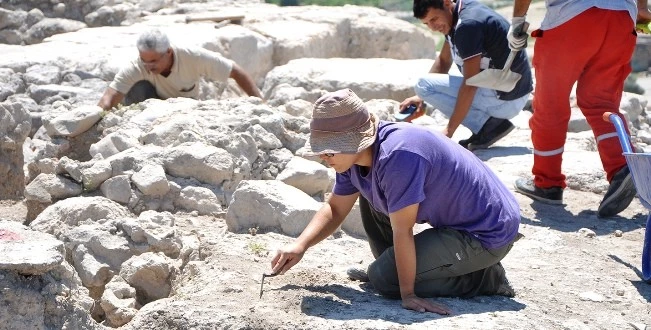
517	35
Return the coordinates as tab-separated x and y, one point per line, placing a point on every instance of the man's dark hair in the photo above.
422	6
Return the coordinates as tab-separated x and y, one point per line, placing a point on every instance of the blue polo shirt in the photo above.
452	187
480	31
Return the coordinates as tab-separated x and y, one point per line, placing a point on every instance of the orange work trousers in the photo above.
594	50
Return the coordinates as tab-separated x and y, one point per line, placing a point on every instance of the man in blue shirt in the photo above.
475	40
406	174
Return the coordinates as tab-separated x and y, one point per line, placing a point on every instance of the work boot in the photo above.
493	130
466	142
619	195
357	274
505	288
552	195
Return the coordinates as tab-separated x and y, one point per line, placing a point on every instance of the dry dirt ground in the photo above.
563	278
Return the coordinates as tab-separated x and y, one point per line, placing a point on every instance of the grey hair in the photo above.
153	40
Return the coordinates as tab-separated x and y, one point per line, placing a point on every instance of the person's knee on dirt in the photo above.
563	57
398	170
173	71
475	41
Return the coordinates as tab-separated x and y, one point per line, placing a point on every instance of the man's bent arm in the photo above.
110	99
327	220
466	94
245	81
324	223
402	224
443	62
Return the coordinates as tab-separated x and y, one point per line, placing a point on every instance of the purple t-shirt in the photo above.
454	188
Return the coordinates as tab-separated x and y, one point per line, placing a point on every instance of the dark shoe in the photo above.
553	195
504	289
357	274
493	130
619	195
466	142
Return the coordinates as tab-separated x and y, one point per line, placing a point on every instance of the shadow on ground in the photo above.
341	302
486	154
642	287
558	218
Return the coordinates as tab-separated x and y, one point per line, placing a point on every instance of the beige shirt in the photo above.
190	64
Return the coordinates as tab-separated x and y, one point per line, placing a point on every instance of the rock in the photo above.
28	252
207	164
119	302
151	180
618	233
299	107
42	75
50	26
69	212
106	247
264	139
587	232
48	188
249	49
74	122
114	143
368	78
11	19
311	177
92	177
202	200
117	188
149	274
108	15
641	60
10	84
270	204
591	296
92	272
15	125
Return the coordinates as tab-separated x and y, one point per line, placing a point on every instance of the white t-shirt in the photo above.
190	64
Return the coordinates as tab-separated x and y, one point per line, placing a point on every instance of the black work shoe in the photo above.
505	288
493	130
471	139
357	274
552	195
619	195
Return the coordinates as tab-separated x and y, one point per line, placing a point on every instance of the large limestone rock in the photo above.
368	78
270	204
74	122
205	163
309	176
28	252
47	188
69	212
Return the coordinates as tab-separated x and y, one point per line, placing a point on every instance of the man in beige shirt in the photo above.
163	71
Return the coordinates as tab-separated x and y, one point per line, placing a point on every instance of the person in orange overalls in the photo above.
598	62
